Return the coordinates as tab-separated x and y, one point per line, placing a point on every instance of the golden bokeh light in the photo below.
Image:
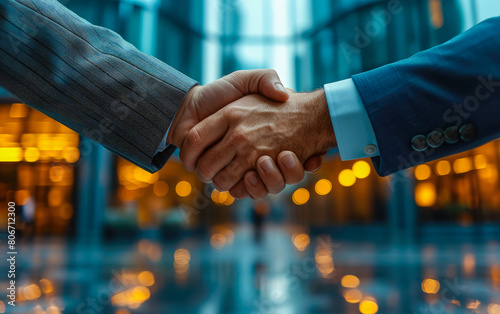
46	285
31	154
493	308
353	296
19	110
480	161
462	165
22	197
182	256
422	172
71	154
218	241
11	154
219	197
146	278
430	286
347	178
160	188
425	194
2	307
368	306
301	241
443	168
183	188
361	169
323	187
300	196
56	173
349	281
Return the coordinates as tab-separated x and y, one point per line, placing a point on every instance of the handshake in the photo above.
249	135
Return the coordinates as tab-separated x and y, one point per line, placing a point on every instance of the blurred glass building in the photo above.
343	241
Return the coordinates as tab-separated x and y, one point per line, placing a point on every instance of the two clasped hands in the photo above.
249	135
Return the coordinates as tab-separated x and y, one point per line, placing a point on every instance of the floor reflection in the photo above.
279	271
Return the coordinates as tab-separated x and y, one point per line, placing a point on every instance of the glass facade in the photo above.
343	241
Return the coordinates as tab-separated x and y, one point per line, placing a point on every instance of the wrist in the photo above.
326	135
178	130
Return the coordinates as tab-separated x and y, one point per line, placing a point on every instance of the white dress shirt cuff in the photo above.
351	124
163	144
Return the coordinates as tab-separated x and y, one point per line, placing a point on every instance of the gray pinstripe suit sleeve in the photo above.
89	79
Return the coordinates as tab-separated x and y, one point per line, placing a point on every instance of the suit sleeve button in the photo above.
435	139
419	143
370	149
451	135
467	132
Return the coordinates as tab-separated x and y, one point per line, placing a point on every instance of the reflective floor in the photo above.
279	270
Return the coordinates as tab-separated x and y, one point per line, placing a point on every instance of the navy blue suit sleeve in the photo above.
89	79
452	84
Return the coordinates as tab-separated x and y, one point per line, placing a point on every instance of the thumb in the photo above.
313	164
270	86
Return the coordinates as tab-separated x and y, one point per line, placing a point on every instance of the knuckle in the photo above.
204	168
221	181
194	138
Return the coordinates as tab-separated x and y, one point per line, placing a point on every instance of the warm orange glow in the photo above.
347	178
122	311
144	176
219	197
22	197
229	200
425	194
32	292
301	241
218	241
11	154
422	172
443	168
183	188
182	256
66	211
368	306
323	187
160	188
436	11
430	286
349	281
71	154
146	278
56	173
46	285
2	307
473	305
480	162
462	165
490	174
301	196
18	111
493	308
469	263
229	235
141	293
361	169
324	262
31	154
353	296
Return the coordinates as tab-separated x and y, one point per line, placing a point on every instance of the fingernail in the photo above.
288	161
267	165
280	87
253	179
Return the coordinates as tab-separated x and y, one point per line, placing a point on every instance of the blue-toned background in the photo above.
96	234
